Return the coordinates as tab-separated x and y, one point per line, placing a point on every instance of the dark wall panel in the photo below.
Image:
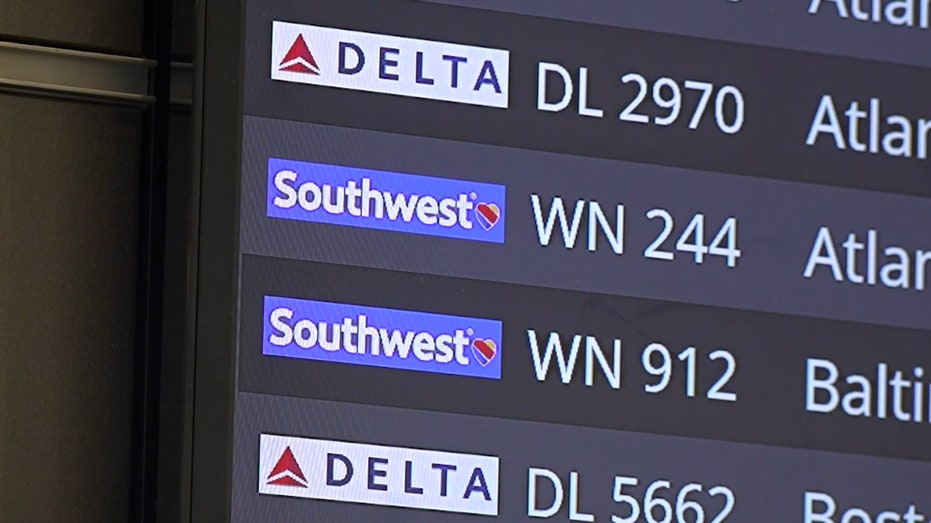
182	29
178	295
68	227
111	25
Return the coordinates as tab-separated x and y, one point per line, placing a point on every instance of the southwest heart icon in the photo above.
484	351
488	215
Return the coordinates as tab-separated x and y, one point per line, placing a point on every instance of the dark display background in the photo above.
765	446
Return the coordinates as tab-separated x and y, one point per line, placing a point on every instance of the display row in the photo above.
490	349
486	77
491	213
309	460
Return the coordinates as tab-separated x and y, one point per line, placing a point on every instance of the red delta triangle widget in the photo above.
287	472
299	59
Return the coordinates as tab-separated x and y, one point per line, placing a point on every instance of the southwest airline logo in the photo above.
383	200
394	339
381	475
389	64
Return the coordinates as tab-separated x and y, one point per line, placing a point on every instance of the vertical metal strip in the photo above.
151	266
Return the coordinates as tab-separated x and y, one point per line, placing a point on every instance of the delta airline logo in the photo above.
383	200
387	338
379	475
389	64
287	473
299	59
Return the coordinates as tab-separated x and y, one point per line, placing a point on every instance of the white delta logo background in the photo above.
378	475
389	64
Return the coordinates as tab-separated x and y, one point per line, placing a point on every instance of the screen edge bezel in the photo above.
217	119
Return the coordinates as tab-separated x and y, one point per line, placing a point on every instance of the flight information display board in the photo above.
627	262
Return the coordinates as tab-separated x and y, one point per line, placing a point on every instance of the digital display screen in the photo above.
601	261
